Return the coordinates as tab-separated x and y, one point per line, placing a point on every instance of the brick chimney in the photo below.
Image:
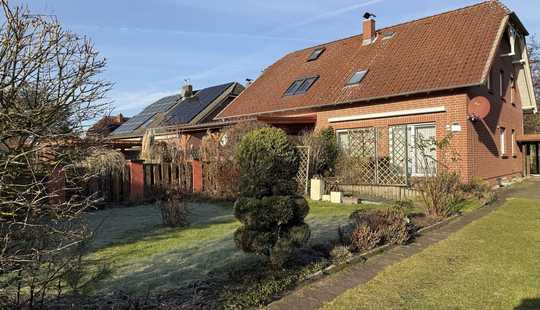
369	34
187	91
119	118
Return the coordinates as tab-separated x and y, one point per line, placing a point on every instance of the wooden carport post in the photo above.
136	169
526	160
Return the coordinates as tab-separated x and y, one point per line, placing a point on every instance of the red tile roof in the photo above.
449	50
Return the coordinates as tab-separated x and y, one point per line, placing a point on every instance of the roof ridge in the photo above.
508	11
468	7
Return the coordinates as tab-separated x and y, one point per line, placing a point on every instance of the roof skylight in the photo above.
316	53
388	35
357	77
301	86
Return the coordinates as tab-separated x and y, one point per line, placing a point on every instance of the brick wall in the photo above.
487	160
476	144
456	113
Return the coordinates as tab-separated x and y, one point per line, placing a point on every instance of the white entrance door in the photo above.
421	149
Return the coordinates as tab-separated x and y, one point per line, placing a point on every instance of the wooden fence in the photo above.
117	187
168	176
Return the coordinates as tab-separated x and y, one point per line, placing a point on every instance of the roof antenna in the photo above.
187	81
368	15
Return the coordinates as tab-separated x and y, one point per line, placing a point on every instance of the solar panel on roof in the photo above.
133	123
191	107
162	105
179	111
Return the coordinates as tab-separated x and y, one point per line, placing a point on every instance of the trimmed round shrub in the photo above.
268	164
272	226
269	209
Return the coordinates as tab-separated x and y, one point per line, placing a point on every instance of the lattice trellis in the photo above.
376	156
302	177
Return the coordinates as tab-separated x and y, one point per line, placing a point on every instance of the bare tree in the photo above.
532	121
49	88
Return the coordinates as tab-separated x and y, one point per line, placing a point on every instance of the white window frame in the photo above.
348	131
413	168
339	133
502	141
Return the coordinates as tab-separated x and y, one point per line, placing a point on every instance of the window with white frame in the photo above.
421	148
502	141
360	142
343	139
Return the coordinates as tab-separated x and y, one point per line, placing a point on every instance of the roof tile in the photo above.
442	51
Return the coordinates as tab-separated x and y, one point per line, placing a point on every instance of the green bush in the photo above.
268	164
272	226
323	151
271	213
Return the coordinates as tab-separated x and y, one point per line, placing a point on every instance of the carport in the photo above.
530	145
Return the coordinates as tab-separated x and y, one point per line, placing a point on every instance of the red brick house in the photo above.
106	125
415	78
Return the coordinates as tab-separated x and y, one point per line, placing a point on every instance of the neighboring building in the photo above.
186	113
105	126
413	79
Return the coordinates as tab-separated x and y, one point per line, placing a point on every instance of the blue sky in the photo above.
153	45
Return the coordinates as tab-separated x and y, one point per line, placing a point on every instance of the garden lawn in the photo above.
142	255
492	263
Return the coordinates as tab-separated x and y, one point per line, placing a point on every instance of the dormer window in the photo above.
301	86
316	53
357	77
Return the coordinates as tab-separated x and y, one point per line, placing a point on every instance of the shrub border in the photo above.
362	257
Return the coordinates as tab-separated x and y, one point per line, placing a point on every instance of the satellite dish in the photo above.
479	107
